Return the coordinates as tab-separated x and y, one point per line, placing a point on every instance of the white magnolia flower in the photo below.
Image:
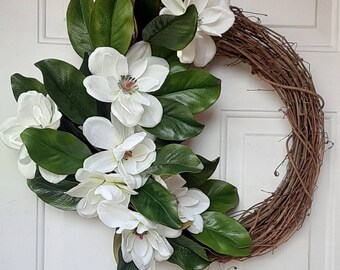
191	202
214	18
142	241
34	110
130	153
125	82
95	187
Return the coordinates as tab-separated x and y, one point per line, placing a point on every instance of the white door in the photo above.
245	128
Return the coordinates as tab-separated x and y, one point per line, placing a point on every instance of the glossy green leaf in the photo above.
78	22
174	159
56	151
112	24
223	196
172	32
177	124
145	11
196	89
21	84
197	179
64	83
156	203
224	235
122	265
54	194
84	68
188	254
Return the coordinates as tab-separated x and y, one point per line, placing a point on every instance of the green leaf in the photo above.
197	179
188	254
56	151
21	84
177	124
122	265
145	11
54	194
224	235
156	203
78	22
196	89
64	83
112	24
174	159
223	196
84	68
172	32
117	242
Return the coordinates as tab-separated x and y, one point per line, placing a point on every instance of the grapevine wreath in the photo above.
106	139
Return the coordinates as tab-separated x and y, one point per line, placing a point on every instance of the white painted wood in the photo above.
245	128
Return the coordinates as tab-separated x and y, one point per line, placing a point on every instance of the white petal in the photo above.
200	5
168	232
26	165
219	26
153	114
100	132
132	141
157	68
128	239
145	164
187	55
122	131
203	199
138	68
197	225
175	6
142	254
114	215
132	104
101	88
10	131
218	3
174	182
130	166
205	50
101	162
138	51
87	207
104	61
111	192
88	181
124	116
51	177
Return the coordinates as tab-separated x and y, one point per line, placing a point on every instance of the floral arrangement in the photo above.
106	139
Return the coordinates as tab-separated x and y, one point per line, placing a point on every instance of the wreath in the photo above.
106	139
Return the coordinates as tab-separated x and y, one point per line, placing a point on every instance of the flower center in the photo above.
128	84
127	155
140	235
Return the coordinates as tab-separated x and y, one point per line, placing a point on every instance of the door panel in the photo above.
245	128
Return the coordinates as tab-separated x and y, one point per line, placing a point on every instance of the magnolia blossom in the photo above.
129	153
95	187
214	18
142	241
126	81
34	110
191	202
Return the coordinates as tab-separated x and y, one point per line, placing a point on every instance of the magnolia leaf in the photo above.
197	179
224	235
177	124
117	242
64	83
223	196
172	32
21	84
112	24
78	22
196	89
54	194
188	254
84	68
173	159
156	203
56	151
